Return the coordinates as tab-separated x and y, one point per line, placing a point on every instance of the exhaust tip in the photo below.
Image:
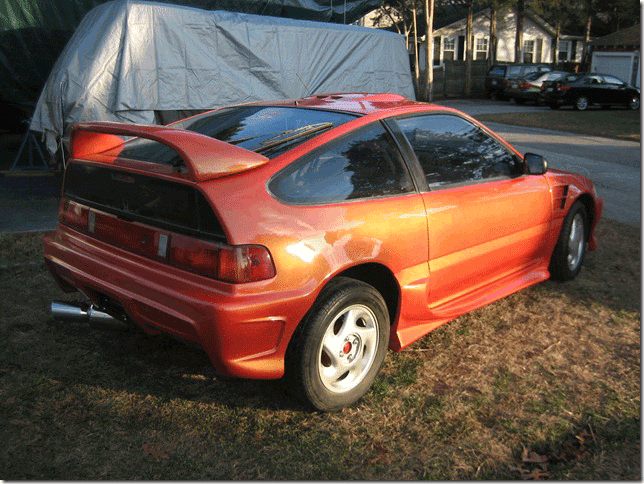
85	313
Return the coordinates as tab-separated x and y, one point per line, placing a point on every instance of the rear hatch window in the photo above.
153	201
268	130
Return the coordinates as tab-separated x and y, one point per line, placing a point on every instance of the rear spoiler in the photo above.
204	157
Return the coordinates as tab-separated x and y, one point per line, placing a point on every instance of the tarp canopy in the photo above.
33	34
130	59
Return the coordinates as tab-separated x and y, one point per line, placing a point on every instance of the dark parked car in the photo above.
528	88
498	78
584	90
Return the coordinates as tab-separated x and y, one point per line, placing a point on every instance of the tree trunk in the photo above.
491	58
518	41
416	67
469	35
429	46
555	44
584	55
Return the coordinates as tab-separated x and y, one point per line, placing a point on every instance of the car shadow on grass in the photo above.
163	367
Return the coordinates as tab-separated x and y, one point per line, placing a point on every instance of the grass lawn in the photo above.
544	384
613	123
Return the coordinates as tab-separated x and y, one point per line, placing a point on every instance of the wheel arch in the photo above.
382	279
589	205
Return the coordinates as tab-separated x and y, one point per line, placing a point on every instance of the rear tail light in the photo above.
506	83
235	264
526	85
563	88
74	215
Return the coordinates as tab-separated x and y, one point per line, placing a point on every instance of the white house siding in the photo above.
506	33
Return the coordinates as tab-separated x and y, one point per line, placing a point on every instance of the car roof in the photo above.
355	103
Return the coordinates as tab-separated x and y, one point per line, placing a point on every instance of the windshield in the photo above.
269	130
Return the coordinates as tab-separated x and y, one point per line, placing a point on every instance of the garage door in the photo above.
622	65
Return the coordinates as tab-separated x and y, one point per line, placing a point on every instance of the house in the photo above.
618	54
538	39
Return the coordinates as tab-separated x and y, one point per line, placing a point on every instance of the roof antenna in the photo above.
308	91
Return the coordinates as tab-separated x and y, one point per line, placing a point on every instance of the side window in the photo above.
613	81
363	164
452	150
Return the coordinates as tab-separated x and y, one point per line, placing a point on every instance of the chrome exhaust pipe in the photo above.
85	313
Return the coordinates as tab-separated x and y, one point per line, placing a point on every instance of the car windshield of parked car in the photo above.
552	76
533	76
269	130
572	78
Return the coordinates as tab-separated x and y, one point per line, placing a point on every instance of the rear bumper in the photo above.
245	331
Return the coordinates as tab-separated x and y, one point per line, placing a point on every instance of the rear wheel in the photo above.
340	347
569	252
581	103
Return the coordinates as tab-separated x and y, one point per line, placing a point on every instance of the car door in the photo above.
616	90
594	88
487	221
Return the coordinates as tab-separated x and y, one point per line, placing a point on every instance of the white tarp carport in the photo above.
128	59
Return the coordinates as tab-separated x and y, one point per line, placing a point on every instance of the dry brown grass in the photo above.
612	123
542	384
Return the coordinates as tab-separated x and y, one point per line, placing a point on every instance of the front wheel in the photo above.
581	103
571	246
634	103
340	347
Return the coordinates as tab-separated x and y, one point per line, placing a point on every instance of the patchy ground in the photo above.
544	384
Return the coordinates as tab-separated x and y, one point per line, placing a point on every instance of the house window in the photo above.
481	49
564	47
448	49
528	51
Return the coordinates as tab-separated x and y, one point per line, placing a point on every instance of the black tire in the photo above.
581	103
339	346
570	250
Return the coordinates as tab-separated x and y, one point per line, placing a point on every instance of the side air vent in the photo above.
560	196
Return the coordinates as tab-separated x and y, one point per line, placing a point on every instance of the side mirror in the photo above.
535	164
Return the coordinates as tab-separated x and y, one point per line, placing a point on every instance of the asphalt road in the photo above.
613	165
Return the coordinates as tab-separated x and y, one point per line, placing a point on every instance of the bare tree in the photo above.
469	35
491	58
429	47
518	42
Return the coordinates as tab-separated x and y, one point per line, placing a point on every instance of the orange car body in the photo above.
433	254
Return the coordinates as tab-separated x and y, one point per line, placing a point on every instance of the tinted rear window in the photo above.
364	164
497	71
269	130
156	202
